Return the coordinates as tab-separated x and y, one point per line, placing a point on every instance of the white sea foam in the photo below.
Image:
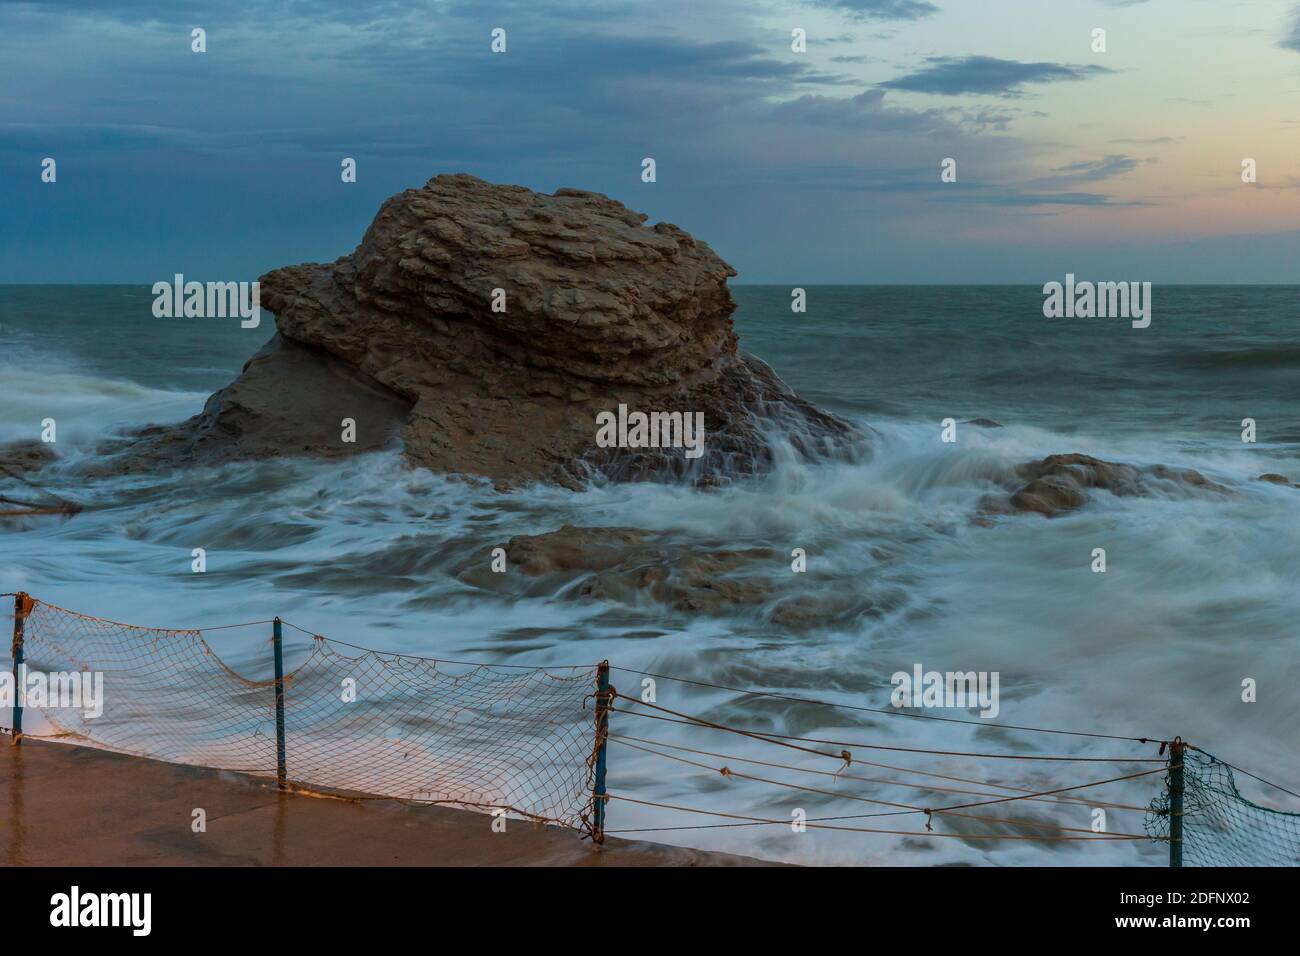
1200	592
84	406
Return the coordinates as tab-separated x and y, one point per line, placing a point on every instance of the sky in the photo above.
801	168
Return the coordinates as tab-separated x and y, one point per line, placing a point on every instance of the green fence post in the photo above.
22	607
280	774
1176	750
598	798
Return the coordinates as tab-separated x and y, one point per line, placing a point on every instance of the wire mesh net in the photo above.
501	737
356	721
1220	826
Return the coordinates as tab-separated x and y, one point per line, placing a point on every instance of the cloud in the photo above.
986	75
151	138
1094	170
1146	140
193	13
1066	180
865	110
1292	40
983	118
1016	199
882	9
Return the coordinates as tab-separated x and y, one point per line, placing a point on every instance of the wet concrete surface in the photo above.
64	805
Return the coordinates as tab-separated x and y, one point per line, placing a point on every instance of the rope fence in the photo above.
533	742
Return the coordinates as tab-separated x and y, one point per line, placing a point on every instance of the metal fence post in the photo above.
280	775
598	798
1176	750
22	607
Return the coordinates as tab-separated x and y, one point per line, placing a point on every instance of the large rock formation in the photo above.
500	322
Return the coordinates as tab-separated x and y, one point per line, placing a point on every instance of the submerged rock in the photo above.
26	457
20	496
1059	484
497	323
570	548
624	564
633	567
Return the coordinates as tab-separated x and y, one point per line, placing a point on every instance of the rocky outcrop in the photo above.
623	564
1059	484
631	567
289	400
499	322
25	457
20	495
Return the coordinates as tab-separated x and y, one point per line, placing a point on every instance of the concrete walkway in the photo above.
62	805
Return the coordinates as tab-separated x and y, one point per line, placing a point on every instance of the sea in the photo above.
1192	629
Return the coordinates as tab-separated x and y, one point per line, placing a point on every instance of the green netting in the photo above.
519	739
1220	826
357	721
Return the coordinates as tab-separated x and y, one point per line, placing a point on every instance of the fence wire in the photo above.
1220	826
524	739
356	721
